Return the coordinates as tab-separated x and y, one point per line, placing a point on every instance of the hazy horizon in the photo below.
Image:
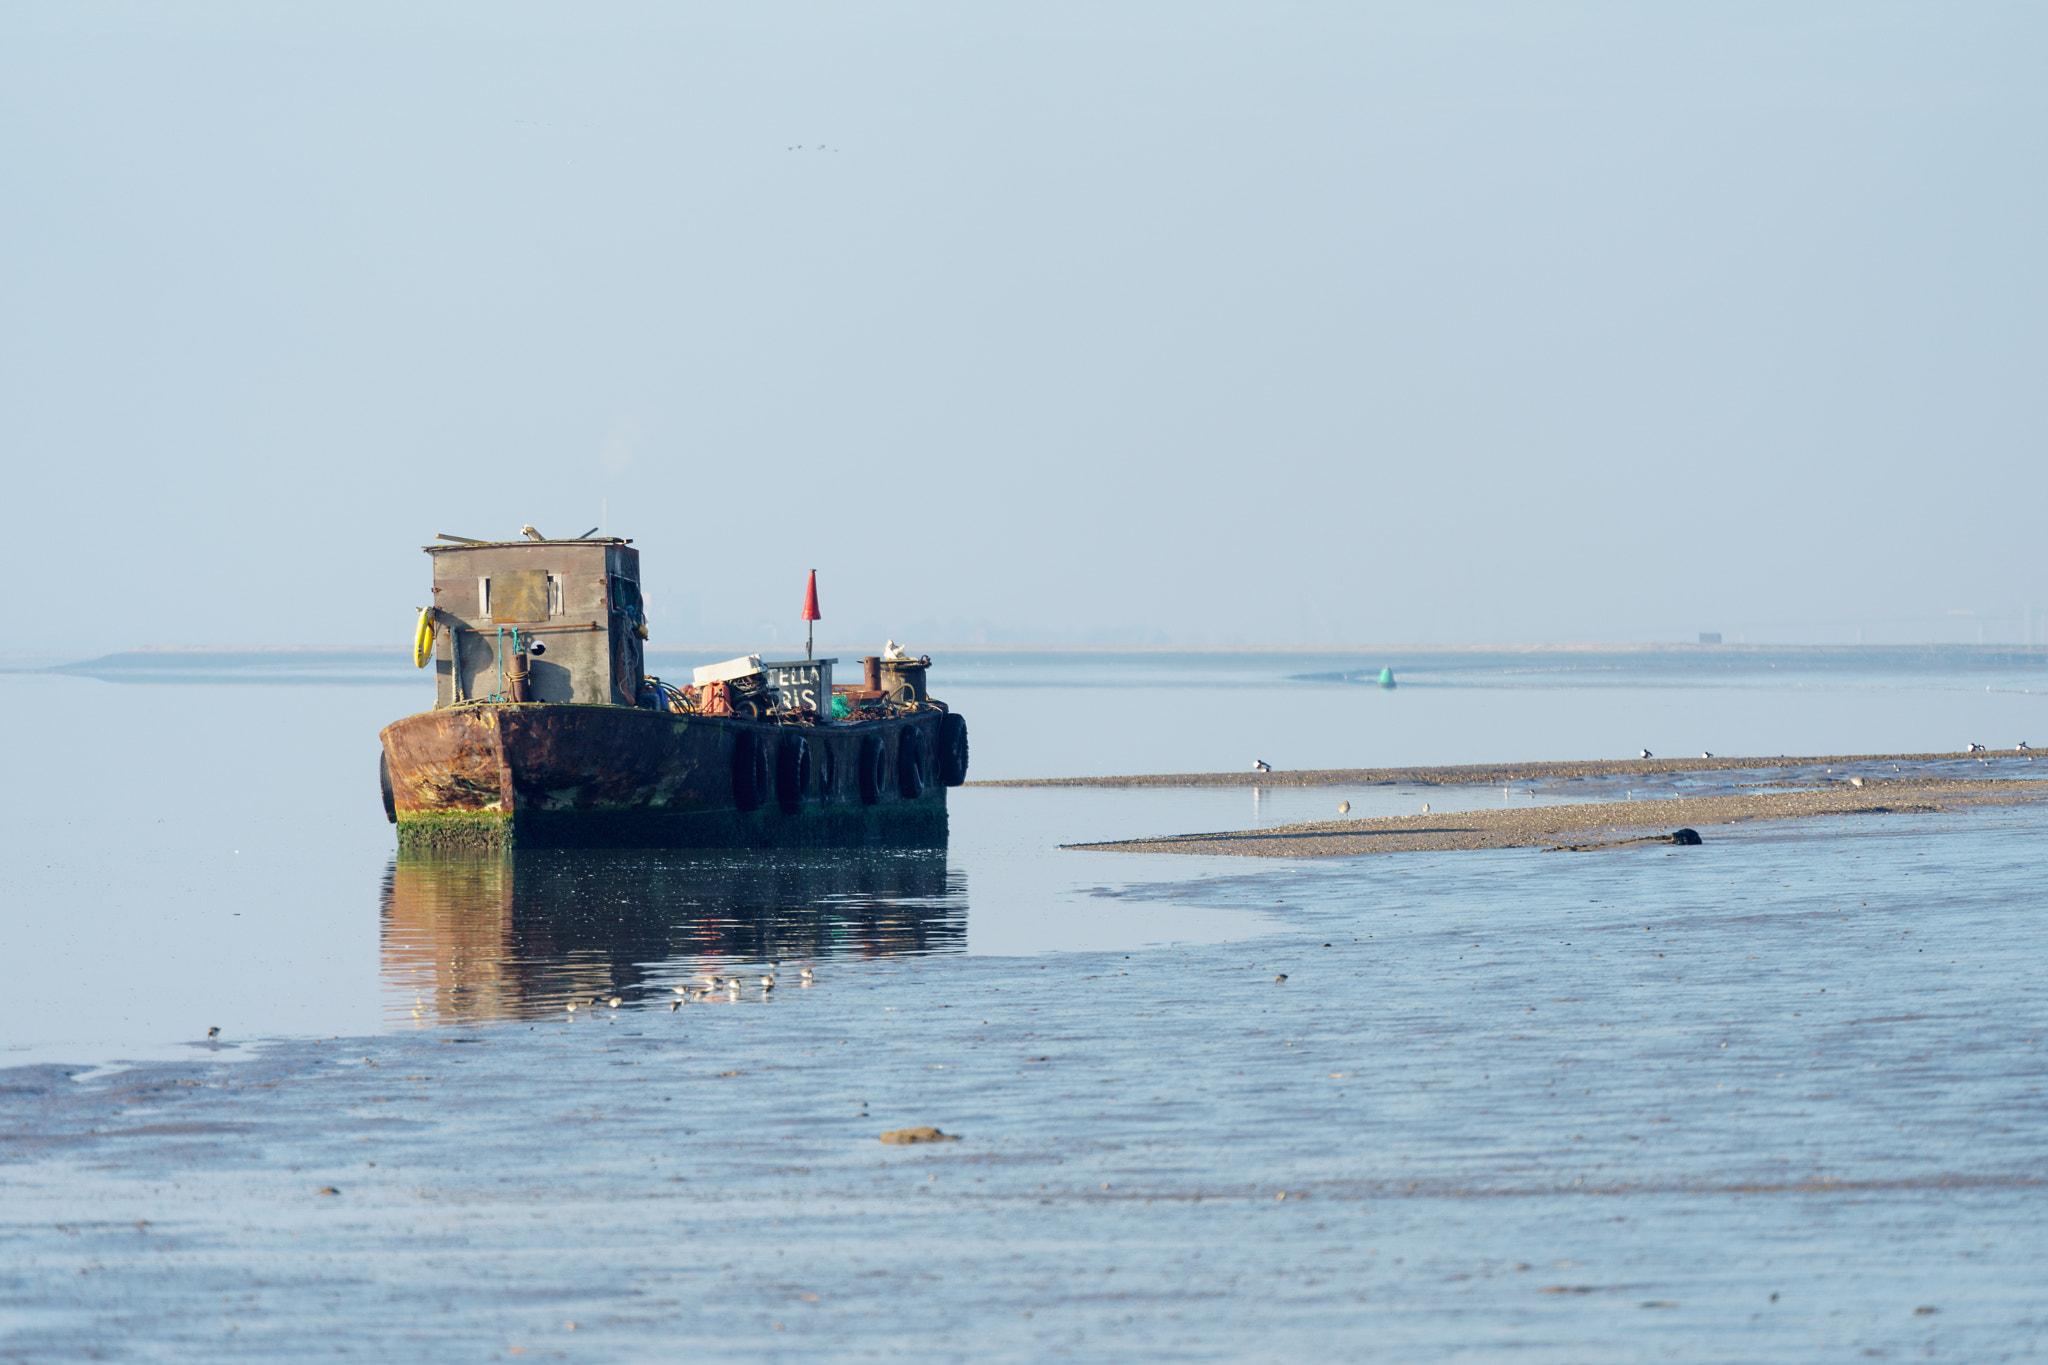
1189	324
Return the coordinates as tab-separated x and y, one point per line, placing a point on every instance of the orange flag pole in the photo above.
810	610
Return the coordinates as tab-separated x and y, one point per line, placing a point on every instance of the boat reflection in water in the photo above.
521	934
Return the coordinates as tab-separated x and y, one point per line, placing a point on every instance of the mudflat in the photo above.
1594	824
1494	774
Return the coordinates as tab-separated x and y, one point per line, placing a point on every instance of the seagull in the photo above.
1343	808
1644	753
1974	749
532	534
1259	765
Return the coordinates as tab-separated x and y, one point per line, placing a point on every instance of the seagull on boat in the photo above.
1259	765
532	534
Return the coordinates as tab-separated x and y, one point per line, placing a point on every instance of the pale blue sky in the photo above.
1228	322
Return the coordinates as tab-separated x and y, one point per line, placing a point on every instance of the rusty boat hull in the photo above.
506	774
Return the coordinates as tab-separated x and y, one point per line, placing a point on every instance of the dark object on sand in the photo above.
902	1136
1686	837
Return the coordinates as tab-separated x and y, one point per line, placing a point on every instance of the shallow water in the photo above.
1765	1098
1762	1099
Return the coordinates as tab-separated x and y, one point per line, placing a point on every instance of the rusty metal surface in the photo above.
512	758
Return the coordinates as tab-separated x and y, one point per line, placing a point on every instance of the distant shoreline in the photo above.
1590	826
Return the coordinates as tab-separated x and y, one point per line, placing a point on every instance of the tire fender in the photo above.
792	773
952	749
749	771
910	756
868	769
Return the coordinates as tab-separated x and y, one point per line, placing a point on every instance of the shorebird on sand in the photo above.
213	1032
1259	765
1343	808
1425	808
806	976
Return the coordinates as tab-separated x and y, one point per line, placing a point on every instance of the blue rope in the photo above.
517	647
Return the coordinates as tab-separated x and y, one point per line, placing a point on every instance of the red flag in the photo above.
811	599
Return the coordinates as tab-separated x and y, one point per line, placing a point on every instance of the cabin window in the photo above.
483	597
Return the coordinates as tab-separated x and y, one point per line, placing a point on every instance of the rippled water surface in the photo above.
1774	1097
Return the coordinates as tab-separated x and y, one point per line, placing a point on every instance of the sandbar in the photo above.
1583	827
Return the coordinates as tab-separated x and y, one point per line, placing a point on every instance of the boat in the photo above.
548	731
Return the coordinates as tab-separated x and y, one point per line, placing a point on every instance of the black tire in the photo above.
952	749
910	755
869	769
792	773
384	781
750	778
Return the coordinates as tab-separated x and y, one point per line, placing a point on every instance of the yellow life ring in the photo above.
423	638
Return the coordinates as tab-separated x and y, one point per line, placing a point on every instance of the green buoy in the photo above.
1387	678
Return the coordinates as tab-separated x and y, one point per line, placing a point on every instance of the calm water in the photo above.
1767	1098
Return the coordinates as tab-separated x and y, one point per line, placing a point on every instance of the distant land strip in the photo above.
1582	828
1494	774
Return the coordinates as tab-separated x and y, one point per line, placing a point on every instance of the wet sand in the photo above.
1592	825
1494	774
